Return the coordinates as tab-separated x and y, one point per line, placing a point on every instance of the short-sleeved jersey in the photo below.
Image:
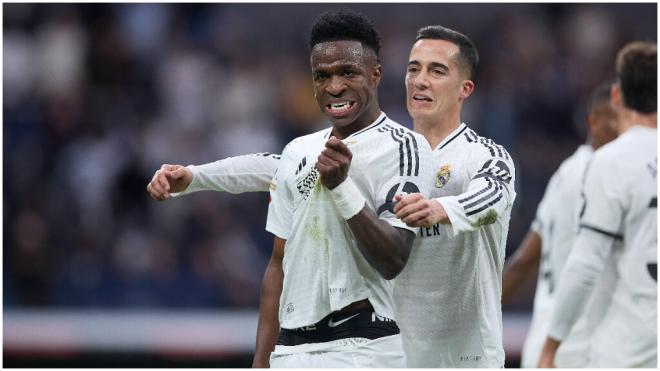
324	269
621	203
448	297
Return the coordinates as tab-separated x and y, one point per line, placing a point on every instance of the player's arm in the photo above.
600	225
247	173
490	192
522	266
385	247
271	289
585	264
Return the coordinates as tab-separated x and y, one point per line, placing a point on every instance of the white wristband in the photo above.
348	198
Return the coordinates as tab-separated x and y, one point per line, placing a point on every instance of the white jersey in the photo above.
324	270
448	297
620	206
556	224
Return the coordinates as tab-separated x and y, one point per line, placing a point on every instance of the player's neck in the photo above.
631	119
436	131
342	132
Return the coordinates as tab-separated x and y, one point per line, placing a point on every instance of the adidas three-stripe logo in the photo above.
408	150
495	149
496	173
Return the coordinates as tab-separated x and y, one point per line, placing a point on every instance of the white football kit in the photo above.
448	297
556	224
618	224
324	270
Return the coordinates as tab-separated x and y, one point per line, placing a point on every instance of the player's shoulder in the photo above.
633	140
481	147
387	131
632	148
302	143
576	162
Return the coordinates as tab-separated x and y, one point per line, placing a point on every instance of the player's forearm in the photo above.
547	357
240	174
584	267
385	247
268	328
269	302
522	266
480	206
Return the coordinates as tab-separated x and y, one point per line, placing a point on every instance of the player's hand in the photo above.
333	163
167	179
416	211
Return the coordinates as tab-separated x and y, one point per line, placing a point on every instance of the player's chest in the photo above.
451	174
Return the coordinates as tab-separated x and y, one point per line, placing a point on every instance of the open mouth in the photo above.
421	98
337	109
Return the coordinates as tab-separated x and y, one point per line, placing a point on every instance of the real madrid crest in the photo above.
443	175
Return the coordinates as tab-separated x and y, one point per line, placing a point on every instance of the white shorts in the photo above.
385	352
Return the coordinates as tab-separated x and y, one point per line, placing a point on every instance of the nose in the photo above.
336	85
421	81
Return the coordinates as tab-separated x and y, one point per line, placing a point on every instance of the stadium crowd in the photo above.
97	96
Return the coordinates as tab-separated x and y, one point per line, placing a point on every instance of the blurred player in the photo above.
544	250
448	296
618	223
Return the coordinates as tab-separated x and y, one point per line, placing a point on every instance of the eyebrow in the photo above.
431	65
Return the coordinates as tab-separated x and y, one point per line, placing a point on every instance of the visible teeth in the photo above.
338	105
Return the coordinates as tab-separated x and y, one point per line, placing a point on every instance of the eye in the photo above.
412	69
348	73
320	76
438	71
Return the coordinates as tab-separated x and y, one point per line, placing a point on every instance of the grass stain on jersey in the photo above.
314	228
489	218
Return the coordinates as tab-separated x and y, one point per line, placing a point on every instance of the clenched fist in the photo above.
168	179
417	211
333	163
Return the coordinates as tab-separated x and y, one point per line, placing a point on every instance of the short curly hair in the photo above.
637	73
344	25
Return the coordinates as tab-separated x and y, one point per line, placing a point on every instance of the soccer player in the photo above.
544	250
618	224
447	298
326	296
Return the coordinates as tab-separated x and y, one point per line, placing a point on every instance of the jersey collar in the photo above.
453	135
381	118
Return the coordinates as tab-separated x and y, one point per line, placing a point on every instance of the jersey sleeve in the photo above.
396	179
489	194
280	208
247	173
600	226
584	267
603	199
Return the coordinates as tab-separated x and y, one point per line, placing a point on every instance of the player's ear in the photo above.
375	76
467	87
615	95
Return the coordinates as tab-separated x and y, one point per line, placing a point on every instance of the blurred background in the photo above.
97	96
